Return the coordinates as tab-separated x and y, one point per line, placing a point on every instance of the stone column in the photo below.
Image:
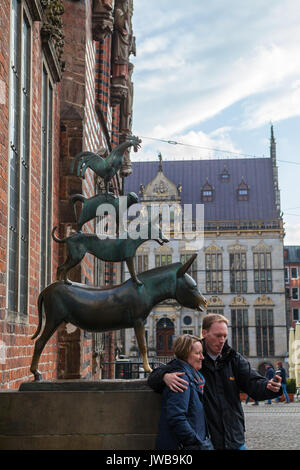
291	353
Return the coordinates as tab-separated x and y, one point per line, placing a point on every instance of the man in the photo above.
283	382
226	373
270	372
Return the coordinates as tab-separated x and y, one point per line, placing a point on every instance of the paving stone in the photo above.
272	427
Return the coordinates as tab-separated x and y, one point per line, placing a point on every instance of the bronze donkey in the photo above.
123	306
107	249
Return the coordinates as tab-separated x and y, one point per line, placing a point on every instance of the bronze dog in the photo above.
123	306
107	249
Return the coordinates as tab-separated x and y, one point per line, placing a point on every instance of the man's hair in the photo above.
183	345
211	318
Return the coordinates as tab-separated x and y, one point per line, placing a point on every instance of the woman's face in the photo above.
195	357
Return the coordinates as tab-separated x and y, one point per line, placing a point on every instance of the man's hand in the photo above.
175	382
274	386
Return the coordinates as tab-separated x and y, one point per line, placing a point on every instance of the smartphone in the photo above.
277	372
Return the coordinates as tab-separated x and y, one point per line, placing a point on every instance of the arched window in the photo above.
164	337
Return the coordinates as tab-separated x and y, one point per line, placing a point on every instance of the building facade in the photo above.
292	283
65	86
239	267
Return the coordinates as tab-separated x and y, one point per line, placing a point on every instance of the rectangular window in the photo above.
264	332
162	260
286	275
46	178
262	272
238	273
187	332
214	273
296	316
294	273
239	325
192	271
220	311
141	263
295	293
19	159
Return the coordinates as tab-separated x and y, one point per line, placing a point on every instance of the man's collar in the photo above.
225	351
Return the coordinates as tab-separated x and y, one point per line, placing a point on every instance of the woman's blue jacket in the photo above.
182	419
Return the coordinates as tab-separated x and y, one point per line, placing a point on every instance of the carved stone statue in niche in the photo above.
126	108
121	39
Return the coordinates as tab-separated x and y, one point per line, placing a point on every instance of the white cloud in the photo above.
199	62
283	104
292	231
195	145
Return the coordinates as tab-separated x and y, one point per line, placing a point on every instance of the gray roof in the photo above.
192	174
293	254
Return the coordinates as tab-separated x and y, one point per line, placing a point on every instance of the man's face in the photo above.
215	337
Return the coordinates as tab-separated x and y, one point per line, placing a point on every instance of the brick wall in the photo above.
4	79
15	329
292	303
83	119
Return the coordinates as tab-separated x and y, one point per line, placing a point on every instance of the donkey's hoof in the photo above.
138	282
37	376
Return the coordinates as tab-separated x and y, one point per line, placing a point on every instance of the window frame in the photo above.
240	330
297	271
262	272
20	124
264	326
46	174
286	275
298	314
159	256
292	295
214	276
141	262
238	275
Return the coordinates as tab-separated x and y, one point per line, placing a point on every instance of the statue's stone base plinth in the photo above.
79	415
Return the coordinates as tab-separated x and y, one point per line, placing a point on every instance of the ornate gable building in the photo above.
65	87
239	268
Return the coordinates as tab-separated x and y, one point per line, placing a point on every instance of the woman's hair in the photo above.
211	318
183	346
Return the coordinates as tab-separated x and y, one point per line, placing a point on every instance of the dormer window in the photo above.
207	192
242	191
225	175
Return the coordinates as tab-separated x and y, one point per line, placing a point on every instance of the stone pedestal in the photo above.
79	415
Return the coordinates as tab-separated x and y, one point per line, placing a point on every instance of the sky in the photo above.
213	76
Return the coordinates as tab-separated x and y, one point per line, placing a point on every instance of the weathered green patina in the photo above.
124	306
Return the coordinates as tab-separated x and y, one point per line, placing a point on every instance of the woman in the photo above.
182	422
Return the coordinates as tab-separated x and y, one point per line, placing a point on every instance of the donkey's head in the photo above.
187	293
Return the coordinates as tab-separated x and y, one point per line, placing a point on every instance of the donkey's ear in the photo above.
183	269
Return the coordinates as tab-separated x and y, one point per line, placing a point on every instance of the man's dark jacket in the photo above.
225	378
